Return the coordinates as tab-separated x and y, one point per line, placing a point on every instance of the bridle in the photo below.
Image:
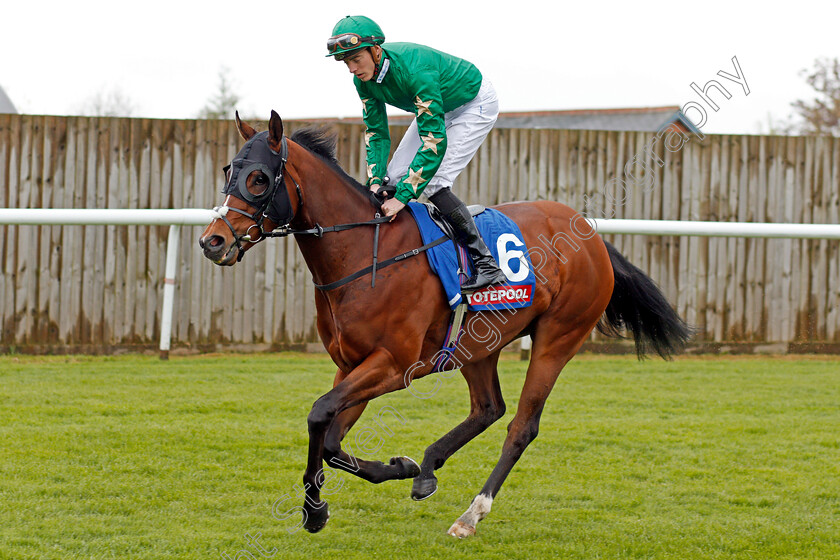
272	203
278	201
264	202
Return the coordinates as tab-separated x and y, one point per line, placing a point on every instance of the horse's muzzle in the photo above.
217	250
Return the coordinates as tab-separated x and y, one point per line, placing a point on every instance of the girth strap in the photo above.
453	336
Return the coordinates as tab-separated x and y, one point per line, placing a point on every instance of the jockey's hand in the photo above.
377	186
391	207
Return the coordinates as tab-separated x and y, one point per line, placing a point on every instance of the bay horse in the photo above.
382	338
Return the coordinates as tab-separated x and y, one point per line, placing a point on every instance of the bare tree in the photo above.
113	103
822	114
775	127
224	102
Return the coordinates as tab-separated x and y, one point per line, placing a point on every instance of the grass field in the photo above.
130	457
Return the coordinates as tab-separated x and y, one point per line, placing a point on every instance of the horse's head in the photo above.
256	197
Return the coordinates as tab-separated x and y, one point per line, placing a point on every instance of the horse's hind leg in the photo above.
486	406
372	471
551	352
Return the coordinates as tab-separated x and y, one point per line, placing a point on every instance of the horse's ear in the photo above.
245	131
275	131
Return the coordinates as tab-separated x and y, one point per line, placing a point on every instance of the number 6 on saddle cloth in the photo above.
503	238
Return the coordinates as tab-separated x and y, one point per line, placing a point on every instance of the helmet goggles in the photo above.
342	45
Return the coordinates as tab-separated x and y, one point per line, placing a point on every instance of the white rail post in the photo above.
525	347
169	289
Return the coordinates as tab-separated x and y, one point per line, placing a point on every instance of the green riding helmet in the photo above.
353	33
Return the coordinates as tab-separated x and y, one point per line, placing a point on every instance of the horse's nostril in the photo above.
212	245
217	249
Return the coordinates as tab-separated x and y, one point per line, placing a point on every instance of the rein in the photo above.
279	185
379	266
319	231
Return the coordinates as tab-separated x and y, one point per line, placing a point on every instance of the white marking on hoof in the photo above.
478	510
461	530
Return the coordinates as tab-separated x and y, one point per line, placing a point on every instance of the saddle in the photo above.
440	221
449	261
387	191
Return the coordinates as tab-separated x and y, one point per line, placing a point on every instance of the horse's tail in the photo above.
638	305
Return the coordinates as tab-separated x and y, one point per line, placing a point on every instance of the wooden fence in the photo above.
96	288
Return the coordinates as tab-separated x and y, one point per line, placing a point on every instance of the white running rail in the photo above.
104	217
176	218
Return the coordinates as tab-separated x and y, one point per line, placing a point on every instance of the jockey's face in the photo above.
361	63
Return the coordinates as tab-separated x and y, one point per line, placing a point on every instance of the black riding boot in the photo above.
486	271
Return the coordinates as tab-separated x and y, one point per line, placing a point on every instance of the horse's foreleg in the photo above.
376	375
373	471
486	406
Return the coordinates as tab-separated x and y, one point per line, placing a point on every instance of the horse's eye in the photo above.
257	183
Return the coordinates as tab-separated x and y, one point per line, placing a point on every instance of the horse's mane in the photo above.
321	141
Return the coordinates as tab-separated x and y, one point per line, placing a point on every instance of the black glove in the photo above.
385	192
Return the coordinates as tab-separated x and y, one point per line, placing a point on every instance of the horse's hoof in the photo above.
408	468
422	488
316	519
461	530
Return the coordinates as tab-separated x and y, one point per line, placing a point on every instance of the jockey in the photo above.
455	108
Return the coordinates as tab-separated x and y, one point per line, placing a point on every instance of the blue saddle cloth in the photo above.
504	239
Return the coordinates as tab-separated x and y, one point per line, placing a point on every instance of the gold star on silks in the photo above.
368	136
430	142
365	107
415	178
422	106
370	170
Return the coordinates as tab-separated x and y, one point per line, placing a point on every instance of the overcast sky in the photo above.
165	57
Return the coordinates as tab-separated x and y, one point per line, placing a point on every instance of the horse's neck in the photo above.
328	200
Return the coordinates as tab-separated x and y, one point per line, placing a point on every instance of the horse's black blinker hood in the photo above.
256	155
